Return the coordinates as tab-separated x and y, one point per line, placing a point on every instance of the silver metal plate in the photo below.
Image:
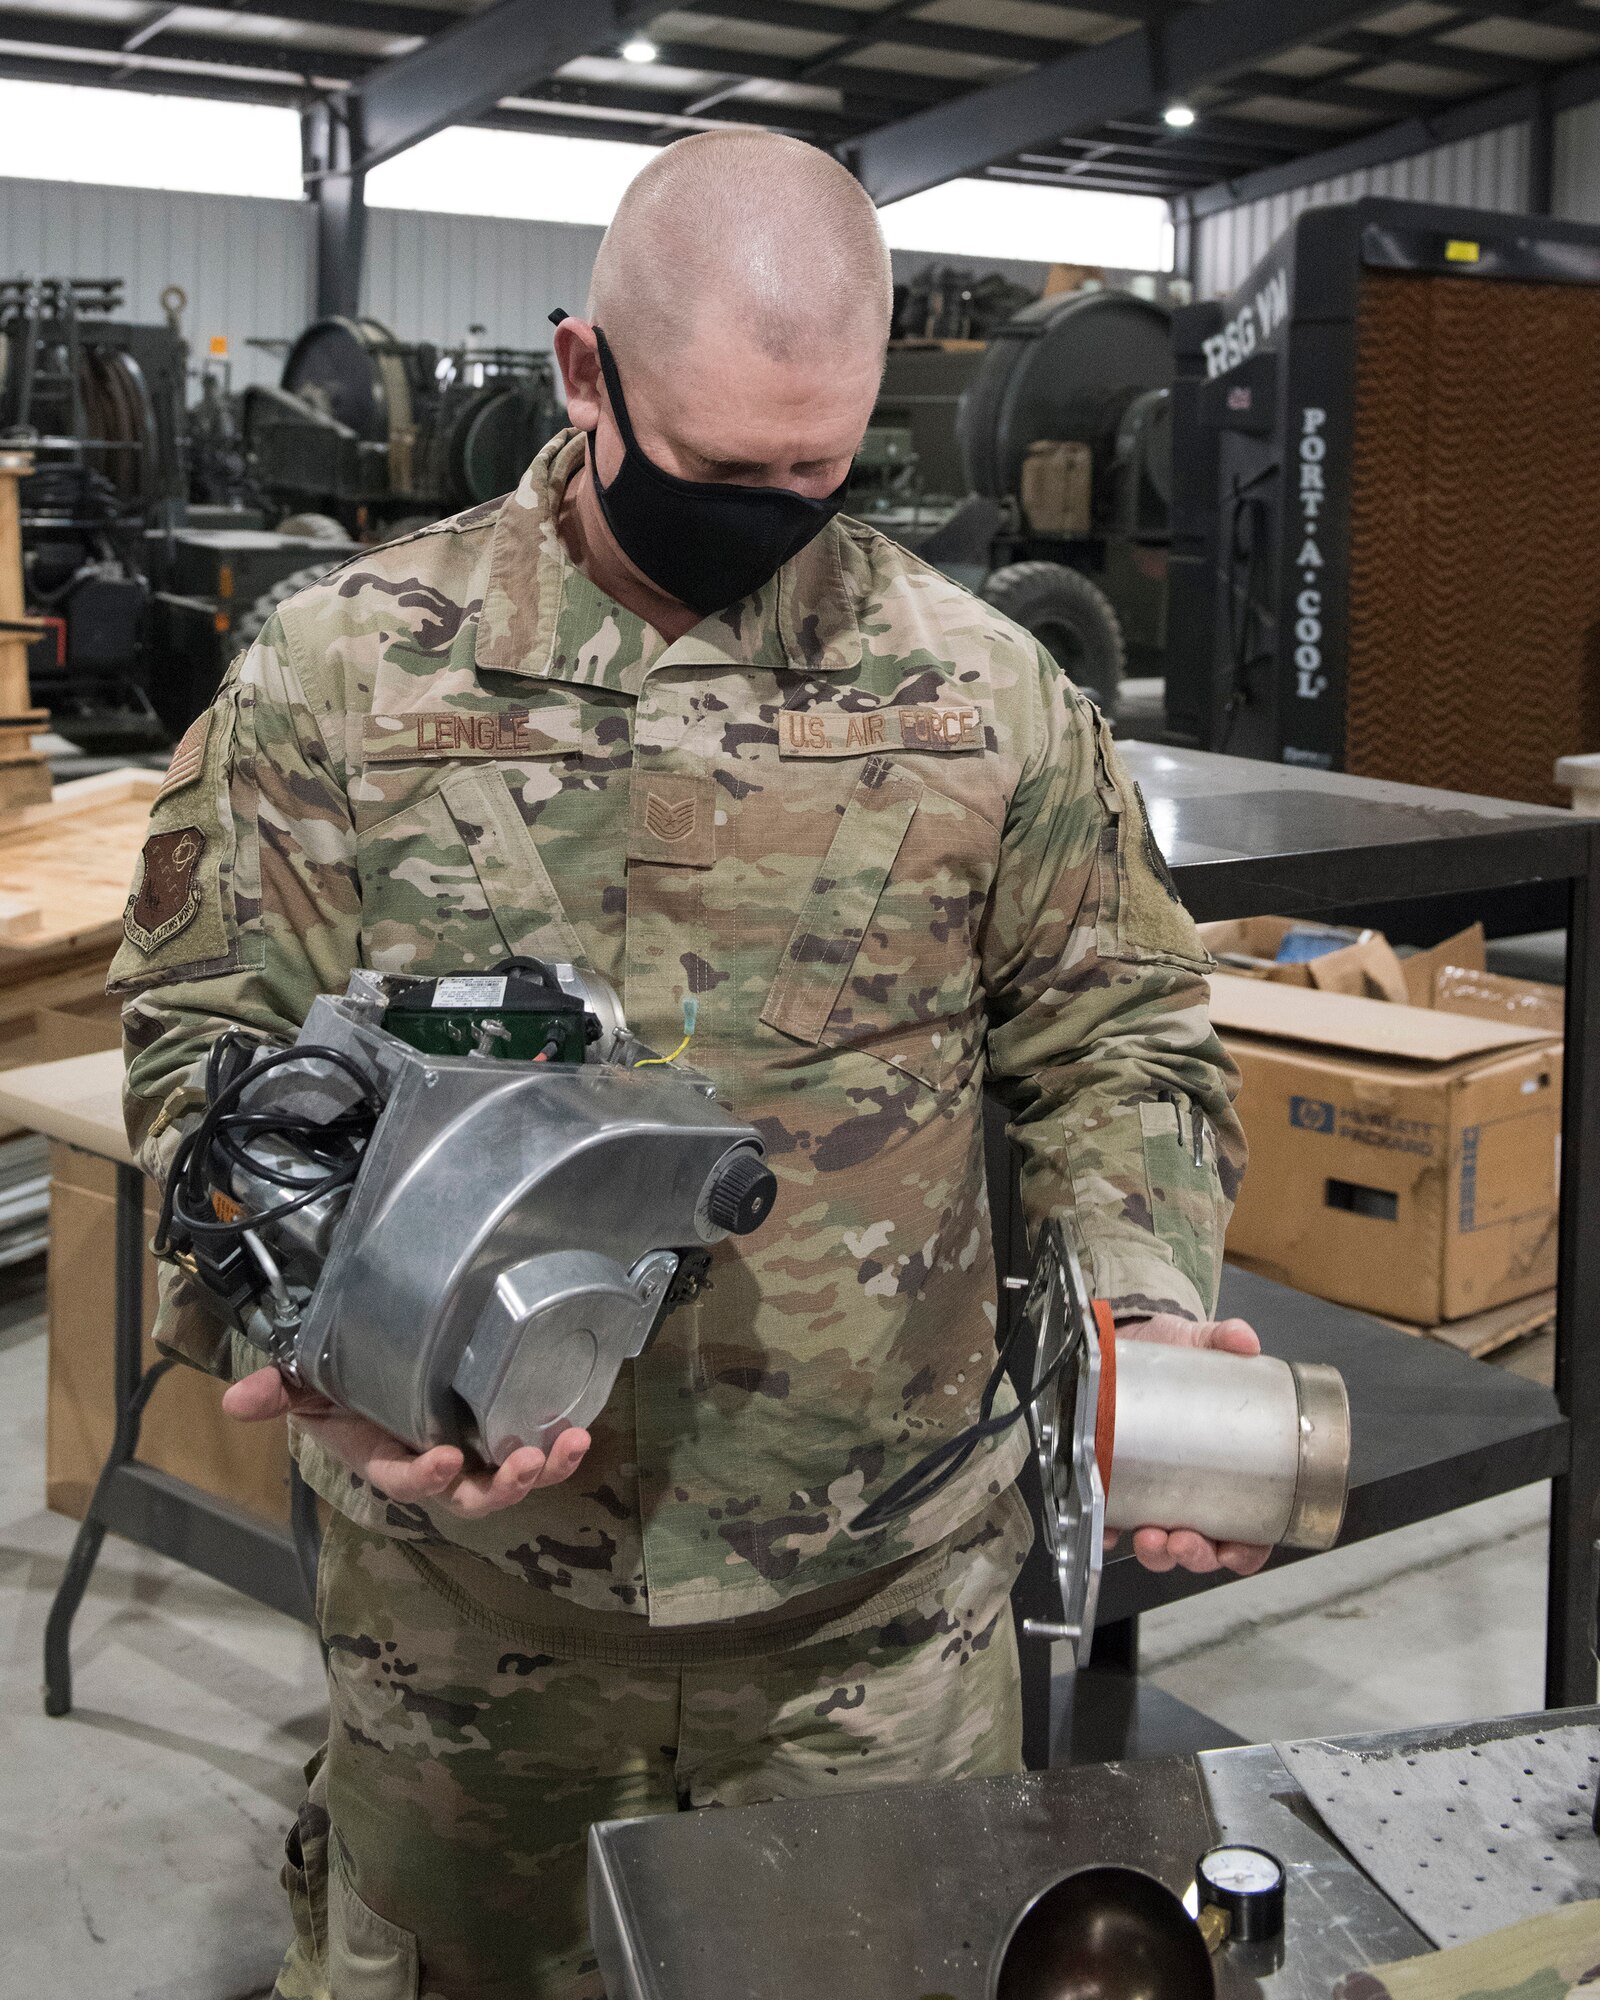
1061	1316
1470	1832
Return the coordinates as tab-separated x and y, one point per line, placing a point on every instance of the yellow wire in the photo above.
678	1051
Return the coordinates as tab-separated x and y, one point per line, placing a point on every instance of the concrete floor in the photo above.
140	1836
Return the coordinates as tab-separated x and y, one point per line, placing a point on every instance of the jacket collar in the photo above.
541	615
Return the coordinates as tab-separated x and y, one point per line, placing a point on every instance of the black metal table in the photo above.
275	1566
1433	1429
906	1893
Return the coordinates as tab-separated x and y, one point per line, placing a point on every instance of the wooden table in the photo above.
79	1101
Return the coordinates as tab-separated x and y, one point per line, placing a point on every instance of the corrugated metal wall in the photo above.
1490	171
1575	189
245	264
430	277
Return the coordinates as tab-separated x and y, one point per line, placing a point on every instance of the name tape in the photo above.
835	733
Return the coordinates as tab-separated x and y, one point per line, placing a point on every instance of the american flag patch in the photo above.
188	757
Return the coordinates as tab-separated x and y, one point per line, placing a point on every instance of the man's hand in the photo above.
1182	1548
436	1478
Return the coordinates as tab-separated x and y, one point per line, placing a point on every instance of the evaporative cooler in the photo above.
1386	504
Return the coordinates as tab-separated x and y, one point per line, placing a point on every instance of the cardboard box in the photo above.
1403	1159
1367	964
185	1433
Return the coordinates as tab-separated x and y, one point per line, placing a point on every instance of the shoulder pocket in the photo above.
1141	913
843	896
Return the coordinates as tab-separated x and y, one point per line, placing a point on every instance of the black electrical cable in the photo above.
934	1471
223	1141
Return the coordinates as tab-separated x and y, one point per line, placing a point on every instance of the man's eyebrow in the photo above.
724	464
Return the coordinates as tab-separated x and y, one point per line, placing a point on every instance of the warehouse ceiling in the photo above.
850	74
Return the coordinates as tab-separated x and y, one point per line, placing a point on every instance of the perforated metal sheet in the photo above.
1474	646
1469	1834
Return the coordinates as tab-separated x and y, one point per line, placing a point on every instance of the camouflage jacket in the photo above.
893	854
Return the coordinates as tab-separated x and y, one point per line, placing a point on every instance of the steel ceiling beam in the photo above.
48	68
383	20
1408	136
847	22
295	60
1079	91
825	126
458	75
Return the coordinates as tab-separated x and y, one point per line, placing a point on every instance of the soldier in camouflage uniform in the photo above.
867	825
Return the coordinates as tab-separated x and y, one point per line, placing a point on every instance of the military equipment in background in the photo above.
383	434
135	586
950	302
1037	470
1387	445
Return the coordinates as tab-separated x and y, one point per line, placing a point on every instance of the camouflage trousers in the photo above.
440	1853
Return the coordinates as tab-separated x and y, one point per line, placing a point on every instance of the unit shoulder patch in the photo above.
168	896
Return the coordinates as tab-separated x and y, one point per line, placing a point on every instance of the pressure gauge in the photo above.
1247	1884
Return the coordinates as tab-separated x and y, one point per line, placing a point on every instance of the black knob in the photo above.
742	1192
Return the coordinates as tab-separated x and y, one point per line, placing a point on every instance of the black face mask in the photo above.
707	545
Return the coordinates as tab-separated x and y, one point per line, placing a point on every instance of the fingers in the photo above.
1162	1549
1233	1336
476	1494
1243	1558
1192	1552
1150	1546
400	1472
566	1455
254	1399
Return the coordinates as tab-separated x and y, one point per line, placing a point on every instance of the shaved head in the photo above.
763	232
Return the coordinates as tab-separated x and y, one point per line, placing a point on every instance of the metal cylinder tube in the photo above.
1240	1448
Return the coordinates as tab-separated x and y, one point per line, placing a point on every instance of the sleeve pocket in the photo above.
844	893
1141	913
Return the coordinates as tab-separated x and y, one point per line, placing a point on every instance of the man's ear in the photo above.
578	358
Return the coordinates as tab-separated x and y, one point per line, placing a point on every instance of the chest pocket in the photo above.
454	879
881	957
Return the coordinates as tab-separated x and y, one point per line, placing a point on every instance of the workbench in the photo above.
79	1101
1432	1429
907	1893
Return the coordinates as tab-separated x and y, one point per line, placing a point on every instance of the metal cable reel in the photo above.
1134	1433
458	1205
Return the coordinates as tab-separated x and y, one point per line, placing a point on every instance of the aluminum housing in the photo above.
513	1236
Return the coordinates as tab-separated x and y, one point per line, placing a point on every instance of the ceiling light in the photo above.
1176	115
639	50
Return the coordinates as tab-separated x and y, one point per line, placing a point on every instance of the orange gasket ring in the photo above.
1105	1416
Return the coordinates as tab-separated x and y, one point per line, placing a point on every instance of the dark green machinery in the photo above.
381	433
1036	469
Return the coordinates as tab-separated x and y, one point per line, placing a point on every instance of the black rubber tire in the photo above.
1071	618
248	625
